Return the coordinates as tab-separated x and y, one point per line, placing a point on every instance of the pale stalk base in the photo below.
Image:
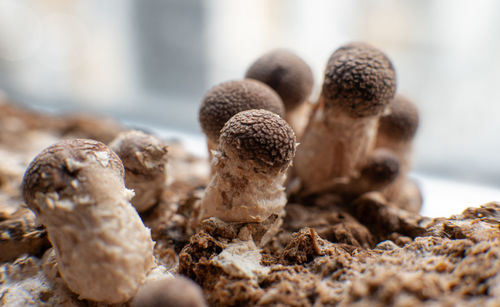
237	193
332	149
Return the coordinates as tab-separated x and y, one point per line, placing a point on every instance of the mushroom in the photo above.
396	132
229	98
145	160
359	83
255	149
379	170
76	189
179	291
291	78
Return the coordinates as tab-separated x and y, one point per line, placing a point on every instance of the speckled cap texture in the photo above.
227	99
50	170
260	136
359	79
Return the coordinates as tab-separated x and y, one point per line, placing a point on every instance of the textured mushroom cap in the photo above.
359	79
401	122
142	154
381	167
286	73
229	98
260	136
55	168
178	291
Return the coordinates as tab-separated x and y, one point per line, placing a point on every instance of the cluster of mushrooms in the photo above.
267	144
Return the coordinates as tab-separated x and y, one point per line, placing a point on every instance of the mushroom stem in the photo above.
76	188
344	144
239	194
298	118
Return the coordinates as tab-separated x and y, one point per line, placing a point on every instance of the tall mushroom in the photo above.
255	149
359	83
103	249
291	78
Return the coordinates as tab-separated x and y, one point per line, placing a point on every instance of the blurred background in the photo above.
150	61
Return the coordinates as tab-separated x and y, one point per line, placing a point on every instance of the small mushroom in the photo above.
396	132
76	189
380	169
397	129
255	149
359	83
229	98
174	291
145	160
291	78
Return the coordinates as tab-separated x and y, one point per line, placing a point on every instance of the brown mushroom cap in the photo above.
286	73
381	167
229	98
55	168
259	136
138	150
359	79
178	291
401	122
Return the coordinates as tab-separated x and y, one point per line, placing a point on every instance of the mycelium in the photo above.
76	189
359	83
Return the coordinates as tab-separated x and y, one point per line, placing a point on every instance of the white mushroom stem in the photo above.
237	193
298	118
332	147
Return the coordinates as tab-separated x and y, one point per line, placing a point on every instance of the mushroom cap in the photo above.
359	80
229	98
259	136
55	168
381	167
142	154
286	73
179	291
401	123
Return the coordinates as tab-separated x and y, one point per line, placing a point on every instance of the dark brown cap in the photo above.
382	167
55	168
359	79
401	122
286	73
259	136
179	291
227	99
